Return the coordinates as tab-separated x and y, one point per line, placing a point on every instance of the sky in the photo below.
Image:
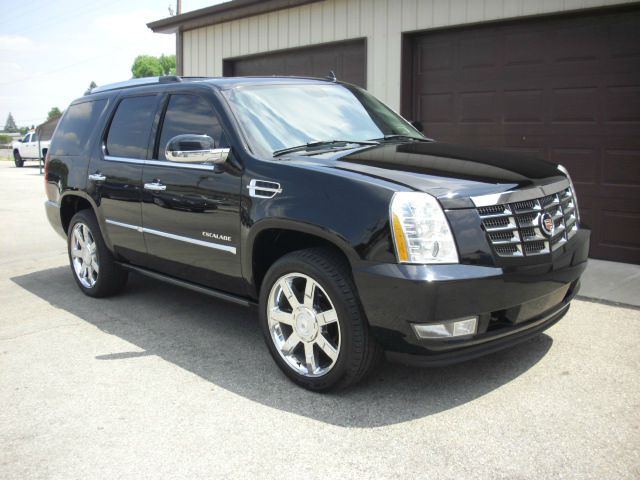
50	51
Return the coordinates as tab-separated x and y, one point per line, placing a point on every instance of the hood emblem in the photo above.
547	225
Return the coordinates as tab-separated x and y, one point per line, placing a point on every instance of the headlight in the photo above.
573	190
421	233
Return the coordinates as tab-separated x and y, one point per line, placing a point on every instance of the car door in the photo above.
191	212
33	146
28	151
115	173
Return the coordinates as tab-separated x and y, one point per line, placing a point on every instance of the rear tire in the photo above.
17	159
313	323
92	264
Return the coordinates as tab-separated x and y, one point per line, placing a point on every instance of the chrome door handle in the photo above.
97	177
155	186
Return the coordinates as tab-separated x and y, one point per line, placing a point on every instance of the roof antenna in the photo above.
332	76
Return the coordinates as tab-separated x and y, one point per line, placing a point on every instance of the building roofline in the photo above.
223	12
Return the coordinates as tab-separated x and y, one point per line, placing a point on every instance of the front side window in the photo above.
130	128
275	117
26	138
189	114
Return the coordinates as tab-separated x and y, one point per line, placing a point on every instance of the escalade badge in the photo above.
217	236
546	224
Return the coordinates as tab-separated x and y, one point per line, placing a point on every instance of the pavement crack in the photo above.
4	339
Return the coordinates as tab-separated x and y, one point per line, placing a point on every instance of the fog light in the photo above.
450	329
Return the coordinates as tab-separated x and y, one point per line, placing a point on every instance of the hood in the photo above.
451	173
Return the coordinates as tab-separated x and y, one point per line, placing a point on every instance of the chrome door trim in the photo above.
520	195
124	225
180	238
158	163
124	160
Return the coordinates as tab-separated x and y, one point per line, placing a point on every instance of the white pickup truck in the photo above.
27	149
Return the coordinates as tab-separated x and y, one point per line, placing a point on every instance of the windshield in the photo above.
275	117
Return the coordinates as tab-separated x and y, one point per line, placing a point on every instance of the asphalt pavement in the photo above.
163	383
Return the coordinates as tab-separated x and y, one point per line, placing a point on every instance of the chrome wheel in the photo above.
303	324
84	255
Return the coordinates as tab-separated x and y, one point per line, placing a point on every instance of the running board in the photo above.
189	286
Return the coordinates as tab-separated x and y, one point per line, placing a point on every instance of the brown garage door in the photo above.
563	88
346	59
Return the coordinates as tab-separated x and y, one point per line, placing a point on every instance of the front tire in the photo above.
313	323
17	159
92	264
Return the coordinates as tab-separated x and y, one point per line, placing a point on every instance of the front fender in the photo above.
348	210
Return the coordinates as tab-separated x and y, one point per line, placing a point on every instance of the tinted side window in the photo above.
129	131
73	130
189	114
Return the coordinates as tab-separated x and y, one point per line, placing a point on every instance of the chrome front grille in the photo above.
516	229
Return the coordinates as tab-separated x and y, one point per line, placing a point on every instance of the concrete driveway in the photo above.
164	383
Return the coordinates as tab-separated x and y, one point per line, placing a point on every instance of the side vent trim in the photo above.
263	189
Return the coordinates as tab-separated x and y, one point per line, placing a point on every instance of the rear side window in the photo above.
75	126
189	114
130	128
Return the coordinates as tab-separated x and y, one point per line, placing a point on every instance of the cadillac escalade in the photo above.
350	232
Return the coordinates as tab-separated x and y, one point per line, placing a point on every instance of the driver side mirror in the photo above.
195	149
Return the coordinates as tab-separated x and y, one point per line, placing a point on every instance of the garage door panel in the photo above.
621	168
346	59
523	106
581	162
563	88
435	57
478	53
624	38
574	105
478	107
524	49
624	231
622	104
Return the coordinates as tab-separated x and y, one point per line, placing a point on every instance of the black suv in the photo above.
309	199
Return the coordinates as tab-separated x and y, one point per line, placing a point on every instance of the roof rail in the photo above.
135	82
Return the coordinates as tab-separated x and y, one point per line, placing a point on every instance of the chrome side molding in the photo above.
180	238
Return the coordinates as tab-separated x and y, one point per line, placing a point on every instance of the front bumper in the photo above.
512	304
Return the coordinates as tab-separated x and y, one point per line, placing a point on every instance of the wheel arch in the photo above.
271	240
74	201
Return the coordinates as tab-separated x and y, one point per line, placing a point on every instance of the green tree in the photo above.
92	85
10	125
54	113
4	139
146	66
168	63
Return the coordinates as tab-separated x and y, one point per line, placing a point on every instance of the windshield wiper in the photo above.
396	136
323	143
